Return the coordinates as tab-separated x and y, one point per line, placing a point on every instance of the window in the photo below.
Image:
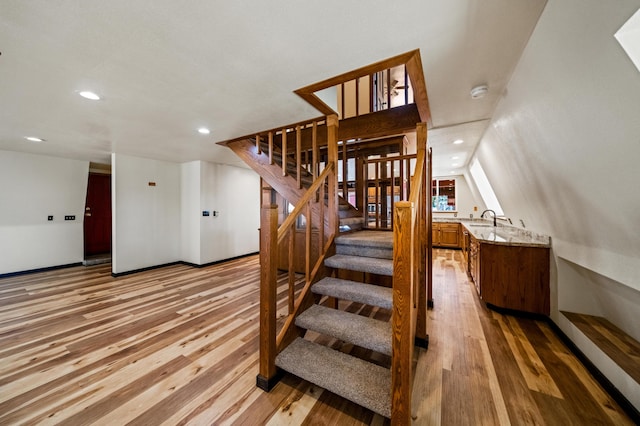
443	195
629	38
484	187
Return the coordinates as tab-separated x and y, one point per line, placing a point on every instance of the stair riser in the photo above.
378	253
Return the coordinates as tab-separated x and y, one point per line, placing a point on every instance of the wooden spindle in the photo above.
284	152
314	147
292	269
299	156
270	147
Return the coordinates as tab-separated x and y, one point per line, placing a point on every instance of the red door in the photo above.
97	215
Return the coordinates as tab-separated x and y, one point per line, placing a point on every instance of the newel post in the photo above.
402	317
423	248
267	377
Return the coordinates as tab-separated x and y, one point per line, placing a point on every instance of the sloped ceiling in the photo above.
165	68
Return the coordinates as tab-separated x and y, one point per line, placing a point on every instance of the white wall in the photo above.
562	153
190	212
33	187
234	193
146	221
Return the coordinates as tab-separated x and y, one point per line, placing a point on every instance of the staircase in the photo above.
393	264
355	379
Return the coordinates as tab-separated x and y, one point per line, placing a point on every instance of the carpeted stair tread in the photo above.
359	381
361	264
369	294
359	330
377	244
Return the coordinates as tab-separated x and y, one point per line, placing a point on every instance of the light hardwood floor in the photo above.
179	345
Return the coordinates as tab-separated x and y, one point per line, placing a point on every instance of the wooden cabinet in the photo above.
473	264
446	235
464	243
511	277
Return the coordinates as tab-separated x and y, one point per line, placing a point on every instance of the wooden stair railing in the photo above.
311	205
387	180
409	286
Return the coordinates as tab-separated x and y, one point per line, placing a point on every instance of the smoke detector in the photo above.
479	91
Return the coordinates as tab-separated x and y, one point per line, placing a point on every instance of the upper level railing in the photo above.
378	91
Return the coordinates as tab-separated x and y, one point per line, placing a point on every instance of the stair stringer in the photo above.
287	185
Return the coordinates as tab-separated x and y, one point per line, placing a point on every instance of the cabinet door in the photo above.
450	235
435	234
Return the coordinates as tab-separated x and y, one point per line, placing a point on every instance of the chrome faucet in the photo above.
494	216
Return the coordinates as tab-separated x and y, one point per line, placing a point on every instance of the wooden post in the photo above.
284	152
422	268
429	233
332	152
360	185
270	147
299	156
268	260
314	147
292	266
403	315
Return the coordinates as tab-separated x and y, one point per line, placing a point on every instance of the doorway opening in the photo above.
97	215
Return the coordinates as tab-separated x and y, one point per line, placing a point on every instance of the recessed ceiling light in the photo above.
455	165
204	131
455	157
33	139
458	141
89	95
479	91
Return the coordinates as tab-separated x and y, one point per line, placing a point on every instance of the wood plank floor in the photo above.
179	345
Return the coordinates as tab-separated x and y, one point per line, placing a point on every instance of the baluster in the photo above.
270	147
389	88
258	148
332	148
406	86
314	147
322	193
357	96
393	187
342	113
377	193
345	171
292	269
307	249
284	152
299	156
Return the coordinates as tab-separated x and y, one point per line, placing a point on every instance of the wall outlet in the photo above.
70	217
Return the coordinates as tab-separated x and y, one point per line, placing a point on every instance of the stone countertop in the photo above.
485	232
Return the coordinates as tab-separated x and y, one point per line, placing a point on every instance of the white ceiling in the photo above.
165	68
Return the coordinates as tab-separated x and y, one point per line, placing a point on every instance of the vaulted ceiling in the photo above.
165	68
